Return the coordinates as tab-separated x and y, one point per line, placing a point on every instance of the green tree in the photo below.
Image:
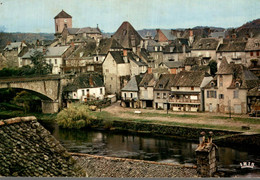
74	117
213	67
40	66
28	101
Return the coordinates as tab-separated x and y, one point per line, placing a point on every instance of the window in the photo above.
155	48
107	70
257	53
131	94
237	84
192	88
125	95
178	87
160	86
251	53
211	94
57	29
111	78
220	84
236	94
212	84
65	25
96	58
83	92
164	95
101	91
158	95
221	96
55	61
49	61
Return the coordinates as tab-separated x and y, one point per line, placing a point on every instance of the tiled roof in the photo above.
28	149
134	58
165	82
191	61
168	34
205	44
85	81
89	30
232	47
189	78
56	51
173	64
63	14
118	56
31	52
224	67
148	80
106	44
125	33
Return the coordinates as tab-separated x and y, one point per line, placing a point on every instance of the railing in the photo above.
184	101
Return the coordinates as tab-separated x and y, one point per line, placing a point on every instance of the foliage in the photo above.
74	117
213	67
28	101
6	95
40	65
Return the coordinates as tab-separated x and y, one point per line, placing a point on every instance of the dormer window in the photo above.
155	48
212	84
208	44
237	84
200	45
160	86
257	44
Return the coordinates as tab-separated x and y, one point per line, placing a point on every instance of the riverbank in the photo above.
100	166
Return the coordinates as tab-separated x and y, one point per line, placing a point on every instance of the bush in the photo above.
75	117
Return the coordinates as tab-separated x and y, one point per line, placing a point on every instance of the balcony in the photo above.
184	101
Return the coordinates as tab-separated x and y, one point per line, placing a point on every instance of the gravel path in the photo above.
99	166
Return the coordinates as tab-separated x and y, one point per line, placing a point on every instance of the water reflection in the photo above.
149	148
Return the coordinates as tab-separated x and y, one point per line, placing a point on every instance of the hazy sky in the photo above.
37	15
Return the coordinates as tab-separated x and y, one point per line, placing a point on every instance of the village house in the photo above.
52	55
85	87
164	36
130	93
11	52
116	71
137	65
61	21
162	91
233	51
178	50
186	93
146	87
155	51
252	50
228	91
206	49
172	67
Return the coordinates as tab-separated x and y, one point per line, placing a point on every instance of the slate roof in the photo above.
56	51
215	81
134	58
191	61
31	52
173	64
118	56
106	44
253	44
89	30
132	85
168	34
87	50
176	47
63	14
165	82
148	80
222	34
124	34
73	31
189	78
205	44
28	149
151	44
13	45
224	67
254	91
85	81
232	46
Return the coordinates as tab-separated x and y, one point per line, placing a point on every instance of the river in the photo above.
146	147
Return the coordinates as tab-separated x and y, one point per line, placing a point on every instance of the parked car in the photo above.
255	114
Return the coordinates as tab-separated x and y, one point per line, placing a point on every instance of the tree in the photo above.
28	101
213	67
40	66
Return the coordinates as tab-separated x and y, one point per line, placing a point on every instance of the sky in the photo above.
38	15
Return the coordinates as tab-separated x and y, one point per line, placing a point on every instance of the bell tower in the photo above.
61	21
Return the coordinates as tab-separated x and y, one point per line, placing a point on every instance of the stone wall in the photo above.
99	166
28	149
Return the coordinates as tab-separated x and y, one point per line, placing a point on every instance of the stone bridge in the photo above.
48	88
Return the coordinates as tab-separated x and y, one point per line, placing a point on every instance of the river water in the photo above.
160	149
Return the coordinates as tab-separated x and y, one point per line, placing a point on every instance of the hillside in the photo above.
27	37
251	24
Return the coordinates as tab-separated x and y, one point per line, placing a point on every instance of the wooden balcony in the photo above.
184	101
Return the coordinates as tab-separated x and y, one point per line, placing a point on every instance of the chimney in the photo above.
149	70
124	52
145	45
183	49
191	33
72	45
91	81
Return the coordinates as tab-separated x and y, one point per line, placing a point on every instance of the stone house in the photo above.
85	87
228	91
146	87
116	71
206	49
234	51
130	93
252	50
162	91
137	65
172	67
61	21
11	52
52	55
186	94
178	50
164	36
155	51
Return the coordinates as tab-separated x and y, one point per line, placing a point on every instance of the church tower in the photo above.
61	21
